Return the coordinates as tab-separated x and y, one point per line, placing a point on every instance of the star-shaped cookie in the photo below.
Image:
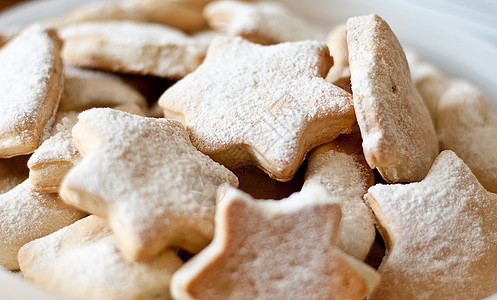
82	261
440	235
398	134
139	173
261	105
267	249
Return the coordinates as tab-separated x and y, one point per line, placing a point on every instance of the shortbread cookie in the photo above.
139	173
467	126
341	168
26	215
113	46
84	89
262	105
13	171
55	157
439	233
260	22
275	250
398	135
32	82
82	261
58	154
339	73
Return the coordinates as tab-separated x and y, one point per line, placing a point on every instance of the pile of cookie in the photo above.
143	145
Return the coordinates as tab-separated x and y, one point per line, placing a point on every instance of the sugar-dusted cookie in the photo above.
261	105
13	171
55	157
58	154
398	135
260	22
467	126
26	215
82	261
339	73
32	82
113	46
439	233
140	174
84	89
341	168
275	250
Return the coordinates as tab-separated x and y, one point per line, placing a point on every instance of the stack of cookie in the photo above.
195	150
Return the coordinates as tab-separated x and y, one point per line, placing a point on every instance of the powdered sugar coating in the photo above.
440	233
138	173
82	261
347	178
398	135
26	215
113	45
260	22
32	83
266	105
274	250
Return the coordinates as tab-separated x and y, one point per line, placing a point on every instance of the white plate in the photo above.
459	40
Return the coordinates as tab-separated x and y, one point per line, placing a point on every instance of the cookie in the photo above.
139	174
340	167
339	73
467	126
275	250
185	15
32	80
13	171
113	45
249	104
58	154
26	215
439	233
82	261
398	135
259	22
85	89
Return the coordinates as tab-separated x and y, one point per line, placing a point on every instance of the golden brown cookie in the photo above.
340	167
32	79
145	177
249	104
260	22
265	249
82	261
113	46
398	135
26	215
439	233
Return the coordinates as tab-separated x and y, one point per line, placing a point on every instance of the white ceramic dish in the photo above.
460	41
